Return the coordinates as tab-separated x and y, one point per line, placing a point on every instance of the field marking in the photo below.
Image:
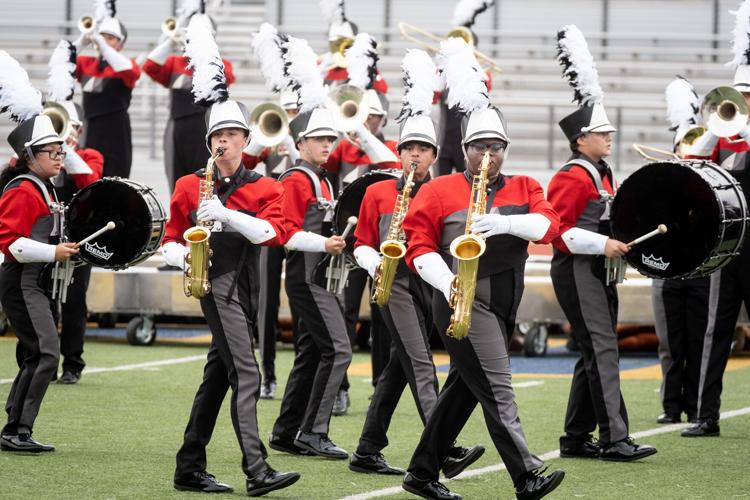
550	455
135	366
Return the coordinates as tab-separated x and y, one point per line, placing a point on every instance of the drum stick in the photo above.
110	226
350	223
661	229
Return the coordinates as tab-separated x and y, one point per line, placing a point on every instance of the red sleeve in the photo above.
367	231
538	204
229	72
271	210
130	76
95	161
250	161
569	192
380	84
333	164
391	164
489	80
423	224
162	74
298	197
20	207
179	213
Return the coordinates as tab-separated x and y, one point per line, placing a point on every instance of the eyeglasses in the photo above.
482	148
54	154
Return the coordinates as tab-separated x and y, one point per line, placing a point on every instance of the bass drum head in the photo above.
113	200
351	197
676	195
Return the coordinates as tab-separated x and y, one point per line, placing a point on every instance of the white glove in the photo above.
432	268
488	225
584	242
27	250
252	228
305	241
213	210
367	258
374	147
161	52
531	227
291	148
174	254
115	59
73	163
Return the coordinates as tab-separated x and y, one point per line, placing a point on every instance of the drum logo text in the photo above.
97	251
654	262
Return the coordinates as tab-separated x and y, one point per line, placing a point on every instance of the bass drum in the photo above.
351	197
701	204
138	216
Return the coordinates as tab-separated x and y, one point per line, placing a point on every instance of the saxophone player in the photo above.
517	213
249	208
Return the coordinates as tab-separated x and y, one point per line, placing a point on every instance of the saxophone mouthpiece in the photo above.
220	151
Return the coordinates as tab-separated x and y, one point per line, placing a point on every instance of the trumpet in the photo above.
60	119
269	124
338	49
87	24
407	29
724	111
169	26
347	104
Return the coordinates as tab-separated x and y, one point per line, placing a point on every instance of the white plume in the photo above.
267	49
190	7
683	103
466	11
104	9
741	35
578	66
18	98
305	76
464	77
61	82
420	82
362	60
209	80
333	11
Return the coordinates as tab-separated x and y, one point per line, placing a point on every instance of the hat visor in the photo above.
486	134
424	139
228	124
320	132
114	33
604	127
48	139
742	87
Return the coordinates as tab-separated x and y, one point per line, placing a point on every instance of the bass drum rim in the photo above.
150	210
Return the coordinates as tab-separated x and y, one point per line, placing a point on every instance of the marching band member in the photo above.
680	306
323	352
408	313
29	233
451	154
580	193
183	144
728	289
107	82
82	166
518	213
249	209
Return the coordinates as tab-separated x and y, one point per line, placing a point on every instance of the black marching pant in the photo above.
74	313
271	263
591	308
185	149
323	354
480	373
730	288
681	314
110	135
230	364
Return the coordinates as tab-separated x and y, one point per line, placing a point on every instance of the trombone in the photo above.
269	124
407	29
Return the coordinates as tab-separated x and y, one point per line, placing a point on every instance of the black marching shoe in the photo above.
23	442
279	443
202	482
270	480
626	451
570	448
534	484
341	404
69	378
320	444
434	490
668	418
373	463
703	428
459	458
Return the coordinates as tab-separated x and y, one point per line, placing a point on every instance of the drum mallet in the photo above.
350	223
661	229
108	227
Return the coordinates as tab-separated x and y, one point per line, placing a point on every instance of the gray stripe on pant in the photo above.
713	305
662	332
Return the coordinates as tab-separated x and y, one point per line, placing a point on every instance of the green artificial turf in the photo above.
117	434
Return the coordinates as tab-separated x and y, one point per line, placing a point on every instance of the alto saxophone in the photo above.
467	249
394	247
195	280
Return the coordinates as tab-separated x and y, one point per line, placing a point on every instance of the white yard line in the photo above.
135	366
550	455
